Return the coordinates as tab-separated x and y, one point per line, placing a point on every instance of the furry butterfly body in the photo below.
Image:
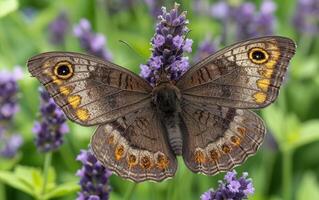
203	116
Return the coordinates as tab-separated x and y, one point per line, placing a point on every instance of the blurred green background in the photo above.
285	167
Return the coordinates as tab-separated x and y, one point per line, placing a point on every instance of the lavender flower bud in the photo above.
231	188
169	43
9	143
51	127
58	28
94	178
92	43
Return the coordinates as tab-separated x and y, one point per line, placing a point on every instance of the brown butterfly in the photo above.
203	116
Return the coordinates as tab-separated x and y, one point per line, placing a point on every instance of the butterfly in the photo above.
202	117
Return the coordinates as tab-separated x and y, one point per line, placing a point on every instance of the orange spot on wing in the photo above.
119	152
241	130
213	155
74	101
199	157
131	160
82	114
226	148
260	97
263	84
146	162
65	90
235	140
162	161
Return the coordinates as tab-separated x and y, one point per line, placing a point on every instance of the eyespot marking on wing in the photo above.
258	55
63	70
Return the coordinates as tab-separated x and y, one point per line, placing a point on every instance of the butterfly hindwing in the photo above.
218	138
245	75
90	91
135	147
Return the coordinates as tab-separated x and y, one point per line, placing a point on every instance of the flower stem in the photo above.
129	193
287	174
46	167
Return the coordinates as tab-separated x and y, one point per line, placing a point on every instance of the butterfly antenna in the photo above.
134	50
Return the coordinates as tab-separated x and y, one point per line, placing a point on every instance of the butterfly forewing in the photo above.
218	138
89	90
135	147
245	75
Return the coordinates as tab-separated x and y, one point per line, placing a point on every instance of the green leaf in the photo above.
308	188
8	6
63	190
7	164
309	133
12	180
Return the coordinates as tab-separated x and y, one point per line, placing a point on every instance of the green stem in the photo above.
287	174
2	191
128	195
46	167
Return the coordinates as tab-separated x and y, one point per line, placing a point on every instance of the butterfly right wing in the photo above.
96	91
218	138
135	146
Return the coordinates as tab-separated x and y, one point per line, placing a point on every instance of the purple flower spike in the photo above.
205	48
58	28
52	126
9	142
92	43
306	18
94	178
233	188
169	43
245	19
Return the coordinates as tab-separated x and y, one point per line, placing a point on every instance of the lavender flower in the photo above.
9	143
94	178
58	28
52	126
93	43
169	43
206	47
245	19
232	188
306	18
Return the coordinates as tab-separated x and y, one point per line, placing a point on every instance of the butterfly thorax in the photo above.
166	99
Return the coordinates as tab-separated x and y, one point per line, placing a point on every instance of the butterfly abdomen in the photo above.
174	134
166	97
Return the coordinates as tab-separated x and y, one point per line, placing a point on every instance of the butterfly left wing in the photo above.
135	146
218	138
90	90
245	75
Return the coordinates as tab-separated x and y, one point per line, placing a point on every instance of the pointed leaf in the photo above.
12	180
63	189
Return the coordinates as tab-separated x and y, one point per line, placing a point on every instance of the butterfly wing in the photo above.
245	75
218	138
89	90
135	147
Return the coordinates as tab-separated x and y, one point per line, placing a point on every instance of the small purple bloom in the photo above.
205	48
51	127
93	43
306	17
94	178
158	40
233	188
58	28
245	19
9	142
169	43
